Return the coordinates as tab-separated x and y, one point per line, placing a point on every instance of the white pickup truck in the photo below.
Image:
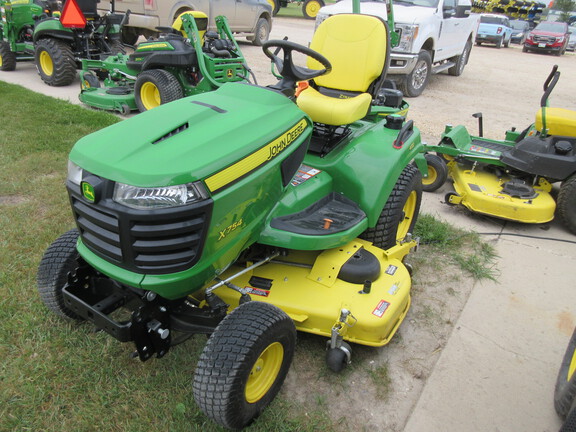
434	36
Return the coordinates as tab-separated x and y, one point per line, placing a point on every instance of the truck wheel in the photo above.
58	260
567	203
400	212
565	390
499	44
55	62
244	364
524	49
507	43
7	57
310	8
261	32
129	35
461	60
416	81
156	87
437	173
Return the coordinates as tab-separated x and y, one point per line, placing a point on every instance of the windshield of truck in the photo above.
424	3
492	20
550	26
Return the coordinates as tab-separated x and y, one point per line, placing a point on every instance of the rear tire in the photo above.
59	259
310	8
156	87
400	212
55	62
7	57
437	173
565	390
244	364
461	60
567	204
129	35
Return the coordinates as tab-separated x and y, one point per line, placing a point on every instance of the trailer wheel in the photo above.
400	212
437	173
310	8
7	57
244	364
58	260
156	87
565	390
567	203
417	80
55	62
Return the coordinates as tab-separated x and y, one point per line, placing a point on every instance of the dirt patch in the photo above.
12	200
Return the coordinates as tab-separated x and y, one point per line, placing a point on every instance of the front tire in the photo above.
567	204
156	87
244	364
261	32
400	212
7	57
417	80
461	60
437	173
59	259
55	62
565	390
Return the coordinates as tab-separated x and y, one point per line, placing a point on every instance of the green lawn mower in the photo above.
512	179
185	60
246	214
565	389
57	41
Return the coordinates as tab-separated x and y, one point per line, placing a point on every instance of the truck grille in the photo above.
544	39
151	242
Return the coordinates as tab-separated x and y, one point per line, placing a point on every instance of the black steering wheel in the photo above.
286	66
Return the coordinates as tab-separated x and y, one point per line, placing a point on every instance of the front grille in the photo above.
544	39
152	241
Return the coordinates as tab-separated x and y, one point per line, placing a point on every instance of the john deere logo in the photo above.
88	192
229	73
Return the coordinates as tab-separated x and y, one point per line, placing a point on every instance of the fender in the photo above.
52	27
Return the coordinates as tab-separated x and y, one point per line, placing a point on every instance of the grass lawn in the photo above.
62	376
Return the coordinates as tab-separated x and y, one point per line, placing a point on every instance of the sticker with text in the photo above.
257	291
391	269
381	308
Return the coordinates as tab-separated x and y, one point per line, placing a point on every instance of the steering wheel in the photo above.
286	66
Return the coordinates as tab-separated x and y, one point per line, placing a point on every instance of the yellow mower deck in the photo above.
306	287
480	192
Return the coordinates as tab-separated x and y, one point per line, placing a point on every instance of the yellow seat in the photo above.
559	121
356	46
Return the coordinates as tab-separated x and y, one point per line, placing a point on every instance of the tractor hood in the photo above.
192	138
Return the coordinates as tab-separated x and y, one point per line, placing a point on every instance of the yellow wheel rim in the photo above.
408	215
572	367
0	61
46	63
264	372
150	95
312	8
432	176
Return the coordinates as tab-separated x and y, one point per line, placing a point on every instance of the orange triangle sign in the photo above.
72	16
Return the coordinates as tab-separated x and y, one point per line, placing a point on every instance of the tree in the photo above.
566	7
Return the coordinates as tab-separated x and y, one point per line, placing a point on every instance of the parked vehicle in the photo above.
520	30
572	40
310	8
250	18
548	37
422	48
494	29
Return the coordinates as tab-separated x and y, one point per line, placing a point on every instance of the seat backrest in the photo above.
357	47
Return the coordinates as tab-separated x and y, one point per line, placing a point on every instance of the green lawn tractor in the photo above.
310	8
246	214
565	389
17	21
184	61
512	179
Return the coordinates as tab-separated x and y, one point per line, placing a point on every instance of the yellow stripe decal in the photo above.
253	161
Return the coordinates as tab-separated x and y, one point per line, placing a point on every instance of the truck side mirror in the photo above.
463	11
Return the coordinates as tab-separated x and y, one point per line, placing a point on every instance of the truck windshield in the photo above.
551	26
424	3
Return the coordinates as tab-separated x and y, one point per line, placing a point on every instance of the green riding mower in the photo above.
512	179
246	214
565	389
57	41
185	60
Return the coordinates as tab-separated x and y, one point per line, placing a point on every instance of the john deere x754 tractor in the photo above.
245	216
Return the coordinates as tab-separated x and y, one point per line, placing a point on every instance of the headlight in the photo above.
408	34
560	39
74	173
144	198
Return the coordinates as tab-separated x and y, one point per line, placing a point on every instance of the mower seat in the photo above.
357	48
559	122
